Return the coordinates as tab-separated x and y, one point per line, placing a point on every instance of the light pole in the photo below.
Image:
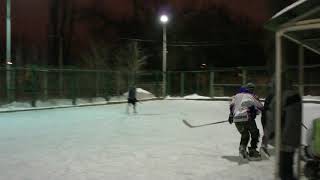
164	20
8	49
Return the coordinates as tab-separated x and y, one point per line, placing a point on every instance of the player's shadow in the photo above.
235	159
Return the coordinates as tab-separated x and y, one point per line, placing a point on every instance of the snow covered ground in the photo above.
58	103
103	142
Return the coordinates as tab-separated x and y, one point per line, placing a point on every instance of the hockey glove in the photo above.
252	113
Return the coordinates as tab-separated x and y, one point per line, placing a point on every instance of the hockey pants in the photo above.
247	129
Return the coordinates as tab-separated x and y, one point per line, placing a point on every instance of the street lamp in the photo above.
164	20
8	49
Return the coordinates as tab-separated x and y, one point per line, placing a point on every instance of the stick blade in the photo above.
187	124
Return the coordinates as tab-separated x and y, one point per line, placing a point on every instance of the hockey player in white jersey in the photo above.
244	108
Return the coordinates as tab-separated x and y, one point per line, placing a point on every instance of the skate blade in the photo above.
264	154
243	159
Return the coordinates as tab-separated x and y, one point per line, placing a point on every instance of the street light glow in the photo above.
164	19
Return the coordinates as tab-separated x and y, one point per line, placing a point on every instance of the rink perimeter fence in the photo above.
35	83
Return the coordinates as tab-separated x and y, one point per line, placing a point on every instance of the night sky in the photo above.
255	9
30	19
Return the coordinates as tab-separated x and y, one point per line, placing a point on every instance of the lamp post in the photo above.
164	20
8	49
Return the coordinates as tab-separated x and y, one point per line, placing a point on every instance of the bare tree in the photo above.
131	58
128	62
97	57
66	28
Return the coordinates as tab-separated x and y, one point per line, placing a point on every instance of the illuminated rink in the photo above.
103	142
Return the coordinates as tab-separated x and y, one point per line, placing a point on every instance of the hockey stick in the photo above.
195	126
304	126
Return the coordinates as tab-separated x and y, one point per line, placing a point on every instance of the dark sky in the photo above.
255	9
30	17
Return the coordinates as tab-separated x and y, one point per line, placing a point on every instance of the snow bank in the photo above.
173	97
16	105
191	96
196	96
84	101
53	102
311	98
142	91
118	98
141	94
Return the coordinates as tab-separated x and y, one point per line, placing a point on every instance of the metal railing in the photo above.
32	84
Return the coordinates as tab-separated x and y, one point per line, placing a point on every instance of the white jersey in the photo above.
240	106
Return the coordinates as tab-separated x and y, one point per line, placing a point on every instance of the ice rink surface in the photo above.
104	142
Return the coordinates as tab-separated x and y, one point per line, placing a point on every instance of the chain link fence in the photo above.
32	84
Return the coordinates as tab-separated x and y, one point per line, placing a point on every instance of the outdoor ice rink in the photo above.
105	143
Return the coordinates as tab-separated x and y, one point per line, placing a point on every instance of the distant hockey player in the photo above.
132	99
244	108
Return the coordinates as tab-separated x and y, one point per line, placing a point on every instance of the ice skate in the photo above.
243	154
254	155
